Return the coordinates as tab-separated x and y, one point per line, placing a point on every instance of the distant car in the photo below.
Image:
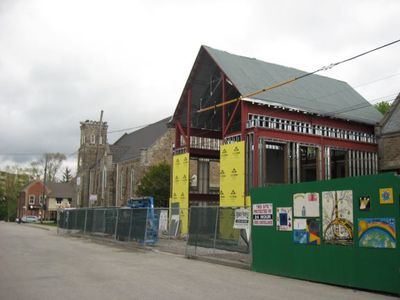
29	219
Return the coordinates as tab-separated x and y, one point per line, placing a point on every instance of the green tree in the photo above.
383	106
15	179
156	183
67	175
3	206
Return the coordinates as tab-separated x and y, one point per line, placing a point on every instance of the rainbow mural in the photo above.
377	232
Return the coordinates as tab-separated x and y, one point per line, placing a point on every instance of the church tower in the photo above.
92	146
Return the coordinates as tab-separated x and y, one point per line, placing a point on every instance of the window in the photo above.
100	140
308	163
103	181
132	182
40	199
123	183
337	163
32	199
93	139
272	163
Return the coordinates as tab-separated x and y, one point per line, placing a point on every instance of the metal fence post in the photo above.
104	221
67	221
197	231
84	226
58	221
130	226
76	219
145	227
116	224
216	227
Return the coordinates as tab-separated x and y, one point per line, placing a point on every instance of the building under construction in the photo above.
242	123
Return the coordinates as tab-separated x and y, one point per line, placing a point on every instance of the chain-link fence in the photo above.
123	224
219	232
144	225
198	232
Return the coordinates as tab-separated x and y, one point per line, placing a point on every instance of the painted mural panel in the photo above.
232	175
386	196
284	220
306	231
377	232
337	216
306	204
365	203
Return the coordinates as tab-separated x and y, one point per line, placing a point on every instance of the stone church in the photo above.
109	174
388	133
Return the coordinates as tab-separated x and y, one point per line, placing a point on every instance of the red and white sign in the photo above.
263	214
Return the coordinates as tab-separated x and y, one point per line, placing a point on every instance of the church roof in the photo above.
391	121
129	146
313	94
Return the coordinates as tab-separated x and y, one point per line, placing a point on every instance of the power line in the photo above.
128	129
285	82
333	113
259	92
281	84
376	80
360	85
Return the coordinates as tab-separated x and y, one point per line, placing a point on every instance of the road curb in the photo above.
223	262
37	226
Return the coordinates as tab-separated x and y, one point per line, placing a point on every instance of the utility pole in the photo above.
43	204
99	136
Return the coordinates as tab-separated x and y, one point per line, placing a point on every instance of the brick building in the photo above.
108	175
36	199
388	133
31	199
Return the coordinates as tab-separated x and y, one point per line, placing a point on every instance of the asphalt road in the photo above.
38	264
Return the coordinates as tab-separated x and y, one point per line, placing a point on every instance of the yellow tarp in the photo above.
180	187
232	175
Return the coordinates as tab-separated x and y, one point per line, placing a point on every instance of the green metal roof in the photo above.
314	94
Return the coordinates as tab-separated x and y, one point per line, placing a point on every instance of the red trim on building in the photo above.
309	118
315	139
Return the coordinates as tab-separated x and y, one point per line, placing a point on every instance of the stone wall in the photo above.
131	172
88	153
389	153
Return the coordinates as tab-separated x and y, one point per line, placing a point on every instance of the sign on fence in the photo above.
262	214
242	216
163	223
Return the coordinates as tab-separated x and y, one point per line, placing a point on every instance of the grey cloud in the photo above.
47	88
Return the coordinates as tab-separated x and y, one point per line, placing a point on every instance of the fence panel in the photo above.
212	235
123	224
110	216
81	218
211	230
98	221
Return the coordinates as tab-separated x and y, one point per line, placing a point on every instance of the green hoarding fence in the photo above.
350	238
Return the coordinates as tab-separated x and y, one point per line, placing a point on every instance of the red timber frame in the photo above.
317	140
188	132
246	107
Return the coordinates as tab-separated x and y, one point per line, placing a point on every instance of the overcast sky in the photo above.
62	62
